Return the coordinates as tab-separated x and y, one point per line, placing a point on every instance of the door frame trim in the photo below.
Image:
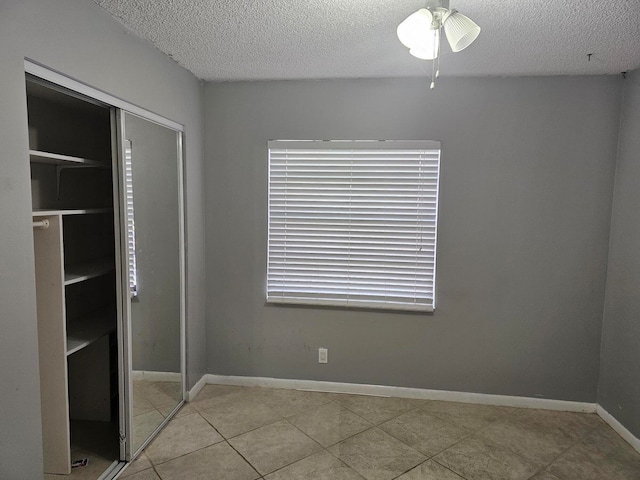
53	76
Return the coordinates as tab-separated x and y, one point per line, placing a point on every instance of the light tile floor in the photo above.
237	433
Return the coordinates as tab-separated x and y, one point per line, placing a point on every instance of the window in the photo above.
353	223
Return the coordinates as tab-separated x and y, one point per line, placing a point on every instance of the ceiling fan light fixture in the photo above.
420	32
460	30
413	32
429	49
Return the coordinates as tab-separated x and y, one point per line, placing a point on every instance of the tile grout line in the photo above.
471	434
245	459
415	406
429	460
540	469
282	418
372	427
153	464
279	419
224	440
322	447
154	470
248	431
380	423
577	442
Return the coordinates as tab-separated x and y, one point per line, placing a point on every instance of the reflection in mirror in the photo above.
151	191
131	224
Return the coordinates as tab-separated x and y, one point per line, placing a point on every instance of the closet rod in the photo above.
42	224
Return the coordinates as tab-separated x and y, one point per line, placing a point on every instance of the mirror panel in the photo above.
151	194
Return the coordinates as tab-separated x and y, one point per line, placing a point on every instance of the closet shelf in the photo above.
84	211
83	331
86	271
48	158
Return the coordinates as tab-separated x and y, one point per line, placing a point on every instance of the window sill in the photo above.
353	305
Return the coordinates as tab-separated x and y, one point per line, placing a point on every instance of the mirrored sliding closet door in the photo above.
151	197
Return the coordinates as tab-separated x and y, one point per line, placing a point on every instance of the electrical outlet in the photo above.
323	355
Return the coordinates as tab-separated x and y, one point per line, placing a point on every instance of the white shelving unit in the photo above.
87	271
61	338
75	262
48	158
80	211
52	345
83	331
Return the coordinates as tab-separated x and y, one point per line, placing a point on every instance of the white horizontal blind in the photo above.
353	223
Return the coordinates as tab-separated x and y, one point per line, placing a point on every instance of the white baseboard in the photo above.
403	392
137	375
191	394
620	429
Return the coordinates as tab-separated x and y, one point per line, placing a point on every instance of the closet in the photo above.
108	245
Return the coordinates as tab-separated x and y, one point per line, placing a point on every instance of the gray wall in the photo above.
78	38
619	389
526	187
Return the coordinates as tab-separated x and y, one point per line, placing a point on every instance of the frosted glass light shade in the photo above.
414	30
429	49
461	31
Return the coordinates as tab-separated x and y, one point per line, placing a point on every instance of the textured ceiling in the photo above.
292	39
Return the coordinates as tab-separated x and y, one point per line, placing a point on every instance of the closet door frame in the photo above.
123	323
53	76
129	453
